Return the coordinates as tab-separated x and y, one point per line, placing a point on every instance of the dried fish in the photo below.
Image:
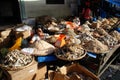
73	52
108	40
116	35
16	59
85	37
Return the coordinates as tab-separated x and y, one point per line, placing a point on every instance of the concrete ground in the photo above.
112	73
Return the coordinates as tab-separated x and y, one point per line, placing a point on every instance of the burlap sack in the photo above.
43	48
95	46
5	33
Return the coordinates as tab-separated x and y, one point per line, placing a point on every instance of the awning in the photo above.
116	2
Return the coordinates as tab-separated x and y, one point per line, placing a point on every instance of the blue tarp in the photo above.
116	2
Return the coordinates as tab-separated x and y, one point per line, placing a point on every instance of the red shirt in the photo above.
87	3
86	13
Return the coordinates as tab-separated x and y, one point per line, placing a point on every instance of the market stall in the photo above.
67	41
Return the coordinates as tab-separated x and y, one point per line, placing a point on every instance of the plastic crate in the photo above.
46	58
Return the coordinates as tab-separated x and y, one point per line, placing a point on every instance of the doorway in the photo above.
9	12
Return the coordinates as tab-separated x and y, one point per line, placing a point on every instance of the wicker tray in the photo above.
16	68
63	58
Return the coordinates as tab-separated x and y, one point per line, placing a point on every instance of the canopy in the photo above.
116	2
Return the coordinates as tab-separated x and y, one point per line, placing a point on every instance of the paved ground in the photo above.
112	73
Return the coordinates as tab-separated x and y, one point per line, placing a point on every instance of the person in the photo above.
86	14
103	13
87	3
95	4
37	35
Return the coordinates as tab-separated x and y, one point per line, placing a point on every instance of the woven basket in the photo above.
71	59
66	59
16	68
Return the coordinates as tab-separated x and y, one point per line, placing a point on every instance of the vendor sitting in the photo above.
37	35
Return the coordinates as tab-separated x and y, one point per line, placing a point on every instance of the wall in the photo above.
35	8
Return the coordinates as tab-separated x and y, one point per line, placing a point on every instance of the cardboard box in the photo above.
75	69
41	72
28	73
